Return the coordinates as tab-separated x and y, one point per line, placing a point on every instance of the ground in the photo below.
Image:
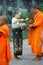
26	57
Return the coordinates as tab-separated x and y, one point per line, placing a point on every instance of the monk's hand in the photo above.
30	25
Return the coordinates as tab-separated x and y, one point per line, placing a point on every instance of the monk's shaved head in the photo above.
33	10
3	20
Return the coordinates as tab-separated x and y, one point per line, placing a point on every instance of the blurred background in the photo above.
10	7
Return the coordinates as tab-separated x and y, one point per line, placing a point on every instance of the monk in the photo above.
5	53
34	38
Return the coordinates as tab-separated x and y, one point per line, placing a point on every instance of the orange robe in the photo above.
34	38
5	53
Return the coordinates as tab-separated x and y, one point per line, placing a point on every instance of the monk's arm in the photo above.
38	22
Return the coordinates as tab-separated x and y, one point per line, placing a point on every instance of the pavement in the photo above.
26	57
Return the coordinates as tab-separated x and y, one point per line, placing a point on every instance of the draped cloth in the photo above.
35	34
5	53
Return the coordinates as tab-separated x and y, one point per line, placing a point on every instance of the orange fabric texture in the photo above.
34	38
5	53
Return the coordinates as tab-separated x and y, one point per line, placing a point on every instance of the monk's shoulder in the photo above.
5	26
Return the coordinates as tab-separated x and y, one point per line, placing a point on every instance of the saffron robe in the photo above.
5	53
34	38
